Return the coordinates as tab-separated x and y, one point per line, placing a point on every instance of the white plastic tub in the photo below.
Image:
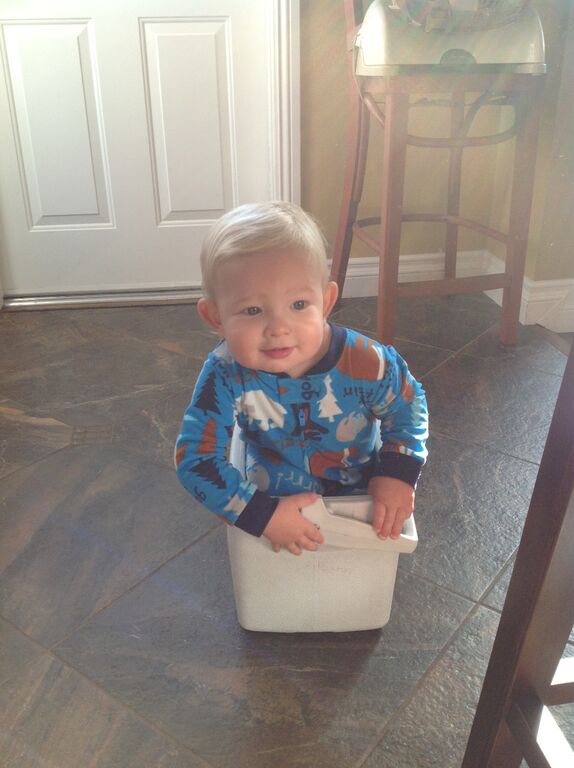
346	585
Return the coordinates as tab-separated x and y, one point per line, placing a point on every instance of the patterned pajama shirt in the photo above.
356	414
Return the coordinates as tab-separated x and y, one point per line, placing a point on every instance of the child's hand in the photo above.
288	528
393	502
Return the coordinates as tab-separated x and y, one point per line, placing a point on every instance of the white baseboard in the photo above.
549	303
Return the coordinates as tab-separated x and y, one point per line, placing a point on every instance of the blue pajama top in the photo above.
356	414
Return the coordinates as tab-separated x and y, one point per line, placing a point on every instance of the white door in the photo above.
127	127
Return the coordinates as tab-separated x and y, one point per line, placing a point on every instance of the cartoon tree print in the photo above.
328	406
207	397
208	471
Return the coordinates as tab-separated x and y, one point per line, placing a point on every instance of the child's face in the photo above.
272	309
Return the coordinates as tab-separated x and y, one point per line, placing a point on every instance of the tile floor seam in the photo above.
486	446
452	353
33	463
423	344
52	648
436	367
125	707
428	580
42	650
115	398
519	362
24	633
420	683
372	334
486	592
457	352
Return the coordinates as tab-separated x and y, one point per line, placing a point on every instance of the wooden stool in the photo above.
366	93
525	671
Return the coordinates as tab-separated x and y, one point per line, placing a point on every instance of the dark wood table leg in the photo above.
538	613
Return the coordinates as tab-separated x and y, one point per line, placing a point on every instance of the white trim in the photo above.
549	303
284	100
120	298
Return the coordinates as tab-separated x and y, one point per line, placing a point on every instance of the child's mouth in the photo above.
278	353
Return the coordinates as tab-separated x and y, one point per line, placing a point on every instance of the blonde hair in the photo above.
258	227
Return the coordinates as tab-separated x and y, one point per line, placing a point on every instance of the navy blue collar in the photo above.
331	356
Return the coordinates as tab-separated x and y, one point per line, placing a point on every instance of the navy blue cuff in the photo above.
257	513
400	466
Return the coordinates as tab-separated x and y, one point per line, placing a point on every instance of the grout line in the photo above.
126	707
25	634
485	446
134	586
423	344
429	580
42	651
478	601
38	461
459	352
487	591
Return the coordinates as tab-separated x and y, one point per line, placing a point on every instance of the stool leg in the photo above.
454	180
357	142
394	158
520	205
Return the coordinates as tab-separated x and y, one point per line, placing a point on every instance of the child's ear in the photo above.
208	312
330	295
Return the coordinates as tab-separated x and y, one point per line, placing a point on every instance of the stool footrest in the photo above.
440	218
454	285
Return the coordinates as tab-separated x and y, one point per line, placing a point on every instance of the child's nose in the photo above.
277	324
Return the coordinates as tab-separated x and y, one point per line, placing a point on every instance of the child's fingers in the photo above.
304	499
294	548
379	515
313	533
276	547
400	518
388	523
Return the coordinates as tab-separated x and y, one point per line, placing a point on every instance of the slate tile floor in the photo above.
118	639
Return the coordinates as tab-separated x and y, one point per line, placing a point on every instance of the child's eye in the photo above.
300	304
251	311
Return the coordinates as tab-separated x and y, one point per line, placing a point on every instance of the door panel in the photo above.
64	179
190	185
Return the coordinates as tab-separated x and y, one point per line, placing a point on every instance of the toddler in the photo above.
322	409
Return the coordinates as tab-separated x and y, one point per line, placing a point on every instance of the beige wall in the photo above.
486	170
